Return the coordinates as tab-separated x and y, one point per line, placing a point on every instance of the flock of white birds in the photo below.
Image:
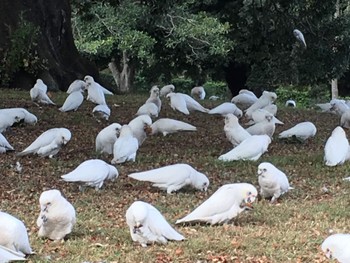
147	225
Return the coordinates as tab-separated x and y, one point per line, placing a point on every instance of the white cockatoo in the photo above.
125	147
154	97
167	126
265	99
140	127
192	104
339	106
57	215
92	173
336	148
226	108
250	149
14	234
198	93
174	177
266	126
290	103
38	93
5	145
104	90
302	131
95	93
48	143
102	111
73	101
149	109
244	99
165	90
224	205
76	85
7	255
337	246
272	181
299	36
10	116
260	115
234	132
106	138
177	102
147	225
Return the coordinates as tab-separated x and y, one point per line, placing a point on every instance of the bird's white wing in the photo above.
166	125
7	255
192	104
43	140
89	171
335	151
301	130
159	226
224	108
250	149
73	101
216	205
178	103
169	175
125	146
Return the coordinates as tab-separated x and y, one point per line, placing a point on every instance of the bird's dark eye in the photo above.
249	193
48	203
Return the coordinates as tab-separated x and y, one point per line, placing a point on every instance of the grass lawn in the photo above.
290	231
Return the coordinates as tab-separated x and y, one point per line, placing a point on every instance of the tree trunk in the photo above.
54	44
123	74
236	77
334	88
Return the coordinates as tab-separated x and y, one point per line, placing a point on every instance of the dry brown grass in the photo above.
290	231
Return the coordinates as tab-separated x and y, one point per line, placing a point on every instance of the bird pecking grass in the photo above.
290	231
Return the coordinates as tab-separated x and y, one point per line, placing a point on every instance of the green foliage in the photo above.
217	88
21	54
161	39
303	96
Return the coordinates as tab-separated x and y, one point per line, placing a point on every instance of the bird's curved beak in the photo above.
259	172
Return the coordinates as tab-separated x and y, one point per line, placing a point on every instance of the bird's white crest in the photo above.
224	205
57	216
147	225
173	177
